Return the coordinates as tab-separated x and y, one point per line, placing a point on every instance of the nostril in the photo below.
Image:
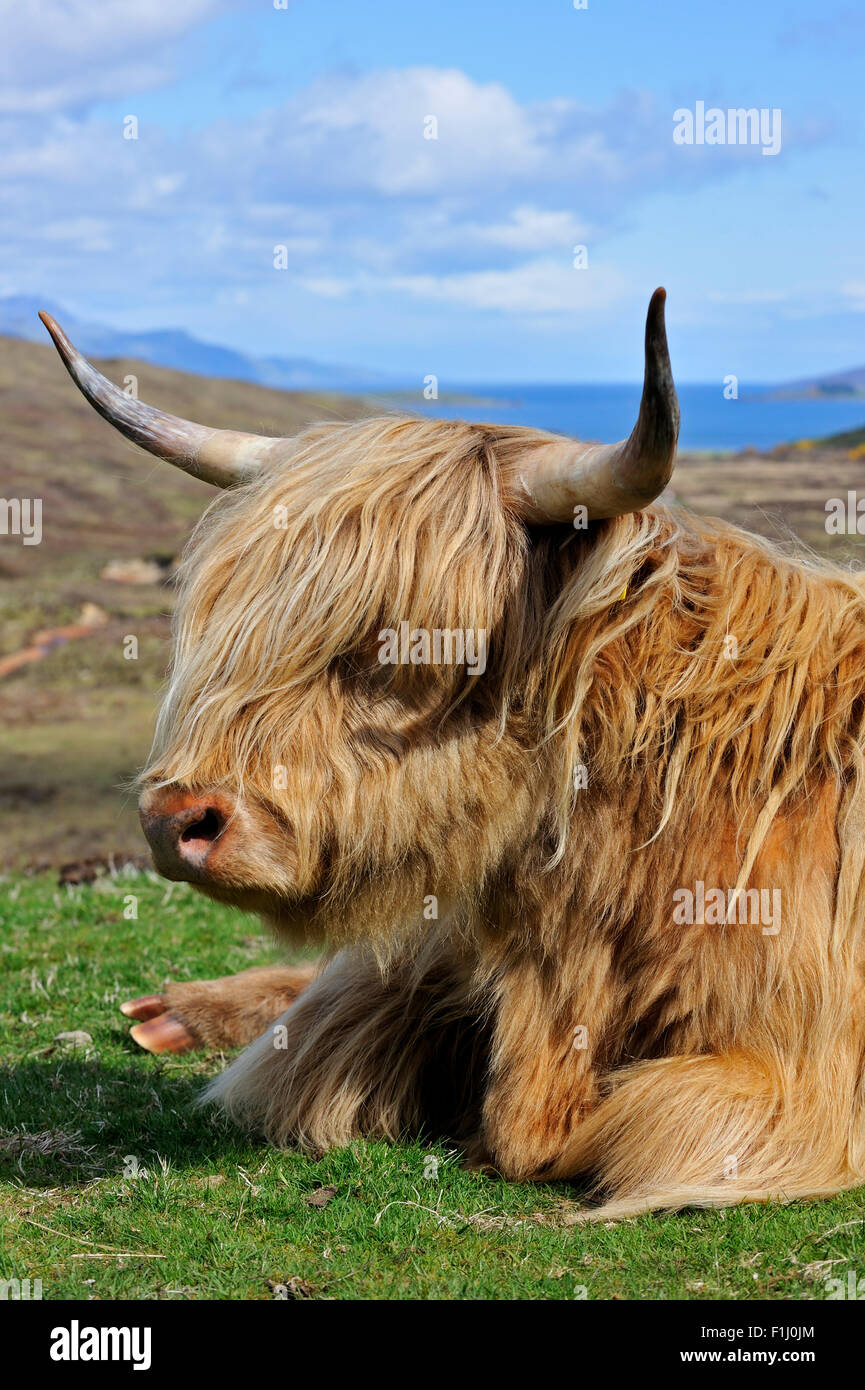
207	827
187	828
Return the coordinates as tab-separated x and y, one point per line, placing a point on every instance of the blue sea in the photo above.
608	412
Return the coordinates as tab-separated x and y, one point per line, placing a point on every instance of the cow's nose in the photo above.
183	829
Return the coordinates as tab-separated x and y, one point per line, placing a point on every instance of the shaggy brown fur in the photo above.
555	1014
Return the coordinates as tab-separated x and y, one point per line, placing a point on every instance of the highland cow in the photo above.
499	862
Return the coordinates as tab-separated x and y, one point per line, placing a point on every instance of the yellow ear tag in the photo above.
623	594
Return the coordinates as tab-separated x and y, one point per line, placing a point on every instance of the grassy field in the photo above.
114	1184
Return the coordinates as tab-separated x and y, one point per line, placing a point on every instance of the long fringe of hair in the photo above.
658	642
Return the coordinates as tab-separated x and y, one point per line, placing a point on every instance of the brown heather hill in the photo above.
75	727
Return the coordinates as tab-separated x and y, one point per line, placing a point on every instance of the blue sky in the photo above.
304	127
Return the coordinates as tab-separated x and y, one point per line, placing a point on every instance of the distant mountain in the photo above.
848	383
170	347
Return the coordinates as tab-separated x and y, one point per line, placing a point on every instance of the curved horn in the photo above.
612	479
223	457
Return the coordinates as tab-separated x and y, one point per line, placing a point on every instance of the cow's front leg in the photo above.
367	1052
224	1013
543	1076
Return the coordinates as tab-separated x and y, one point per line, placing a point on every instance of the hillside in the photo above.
849	440
75	726
177	349
846	383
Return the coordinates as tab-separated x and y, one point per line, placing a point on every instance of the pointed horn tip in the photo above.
56	332
655	313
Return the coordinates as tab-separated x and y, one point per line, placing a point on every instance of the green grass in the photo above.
219	1215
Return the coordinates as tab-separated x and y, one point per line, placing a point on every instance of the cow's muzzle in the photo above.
187	831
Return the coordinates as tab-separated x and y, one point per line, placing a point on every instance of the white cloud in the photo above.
481	129
365	134
486	216
532	229
331	288
56	56
535	288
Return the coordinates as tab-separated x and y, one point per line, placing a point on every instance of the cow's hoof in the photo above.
158	1030
148	1006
